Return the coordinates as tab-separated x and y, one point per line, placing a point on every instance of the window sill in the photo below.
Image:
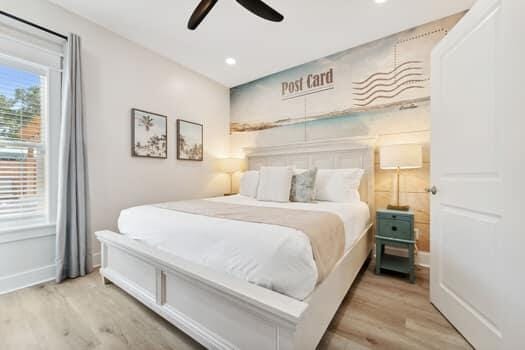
26	232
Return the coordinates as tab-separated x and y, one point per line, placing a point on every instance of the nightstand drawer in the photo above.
395	228
395	216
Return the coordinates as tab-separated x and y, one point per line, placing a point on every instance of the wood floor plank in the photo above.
53	322
14	325
379	312
121	319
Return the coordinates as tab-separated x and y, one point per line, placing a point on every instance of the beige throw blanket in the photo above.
325	230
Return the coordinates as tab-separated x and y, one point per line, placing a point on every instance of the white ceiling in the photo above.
311	29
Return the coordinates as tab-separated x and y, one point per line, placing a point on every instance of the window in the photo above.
23	163
30	84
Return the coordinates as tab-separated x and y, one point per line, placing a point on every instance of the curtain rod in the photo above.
47	30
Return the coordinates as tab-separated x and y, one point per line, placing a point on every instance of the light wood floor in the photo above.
379	312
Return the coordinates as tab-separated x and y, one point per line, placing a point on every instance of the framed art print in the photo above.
149	134
189	140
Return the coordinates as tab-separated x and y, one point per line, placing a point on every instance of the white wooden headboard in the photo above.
326	154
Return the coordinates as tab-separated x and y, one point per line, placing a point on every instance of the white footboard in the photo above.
220	311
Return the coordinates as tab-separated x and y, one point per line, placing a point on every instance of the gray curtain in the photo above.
73	249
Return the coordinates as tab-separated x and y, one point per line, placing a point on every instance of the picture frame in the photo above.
149	134
190	142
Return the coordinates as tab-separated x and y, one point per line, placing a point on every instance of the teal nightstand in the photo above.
395	229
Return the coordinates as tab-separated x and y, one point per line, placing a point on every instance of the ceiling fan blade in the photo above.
260	9
200	12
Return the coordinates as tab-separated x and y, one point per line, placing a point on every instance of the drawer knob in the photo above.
394	216
394	228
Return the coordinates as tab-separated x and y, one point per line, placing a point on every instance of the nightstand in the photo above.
395	229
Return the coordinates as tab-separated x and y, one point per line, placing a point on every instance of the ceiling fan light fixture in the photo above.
257	7
200	13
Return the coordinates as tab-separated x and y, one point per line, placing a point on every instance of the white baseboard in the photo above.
27	279
33	277
95	258
422	258
47	273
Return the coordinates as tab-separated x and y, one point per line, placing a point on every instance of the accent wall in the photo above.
378	90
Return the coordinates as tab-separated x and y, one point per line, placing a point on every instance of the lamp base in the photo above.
398	207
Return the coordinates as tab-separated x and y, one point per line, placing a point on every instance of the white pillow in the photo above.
275	184
338	185
249	183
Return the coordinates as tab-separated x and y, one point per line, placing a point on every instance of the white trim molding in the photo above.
16	244
95	259
27	279
24	233
38	275
422	258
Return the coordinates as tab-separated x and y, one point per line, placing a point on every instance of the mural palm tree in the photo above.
147	122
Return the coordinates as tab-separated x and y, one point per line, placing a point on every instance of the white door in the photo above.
471	273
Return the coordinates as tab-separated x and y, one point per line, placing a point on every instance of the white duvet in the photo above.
274	257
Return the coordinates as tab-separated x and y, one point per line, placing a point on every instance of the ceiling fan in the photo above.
256	7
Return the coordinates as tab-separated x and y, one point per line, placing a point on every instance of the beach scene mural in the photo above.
380	87
380	90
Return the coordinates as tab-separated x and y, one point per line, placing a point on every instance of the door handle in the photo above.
432	190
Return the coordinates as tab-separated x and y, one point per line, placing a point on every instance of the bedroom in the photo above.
408	140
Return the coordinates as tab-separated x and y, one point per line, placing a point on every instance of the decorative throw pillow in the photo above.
249	183
338	185
274	184
303	186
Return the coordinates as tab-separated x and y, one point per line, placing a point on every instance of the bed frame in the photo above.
224	312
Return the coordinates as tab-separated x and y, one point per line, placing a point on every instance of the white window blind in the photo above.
23	146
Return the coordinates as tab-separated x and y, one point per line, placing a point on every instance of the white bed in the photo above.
183	275
275	257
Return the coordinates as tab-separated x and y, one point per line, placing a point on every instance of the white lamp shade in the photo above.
409	156
231	165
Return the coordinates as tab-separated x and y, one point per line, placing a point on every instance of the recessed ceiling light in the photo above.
230	61
380	1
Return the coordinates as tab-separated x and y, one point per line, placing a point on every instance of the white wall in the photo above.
120	75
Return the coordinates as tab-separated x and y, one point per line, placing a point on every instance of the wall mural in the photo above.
359	91
380	89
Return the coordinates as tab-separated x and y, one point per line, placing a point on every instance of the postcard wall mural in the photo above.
378	88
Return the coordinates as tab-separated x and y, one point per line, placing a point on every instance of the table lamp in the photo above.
398	157
231	166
